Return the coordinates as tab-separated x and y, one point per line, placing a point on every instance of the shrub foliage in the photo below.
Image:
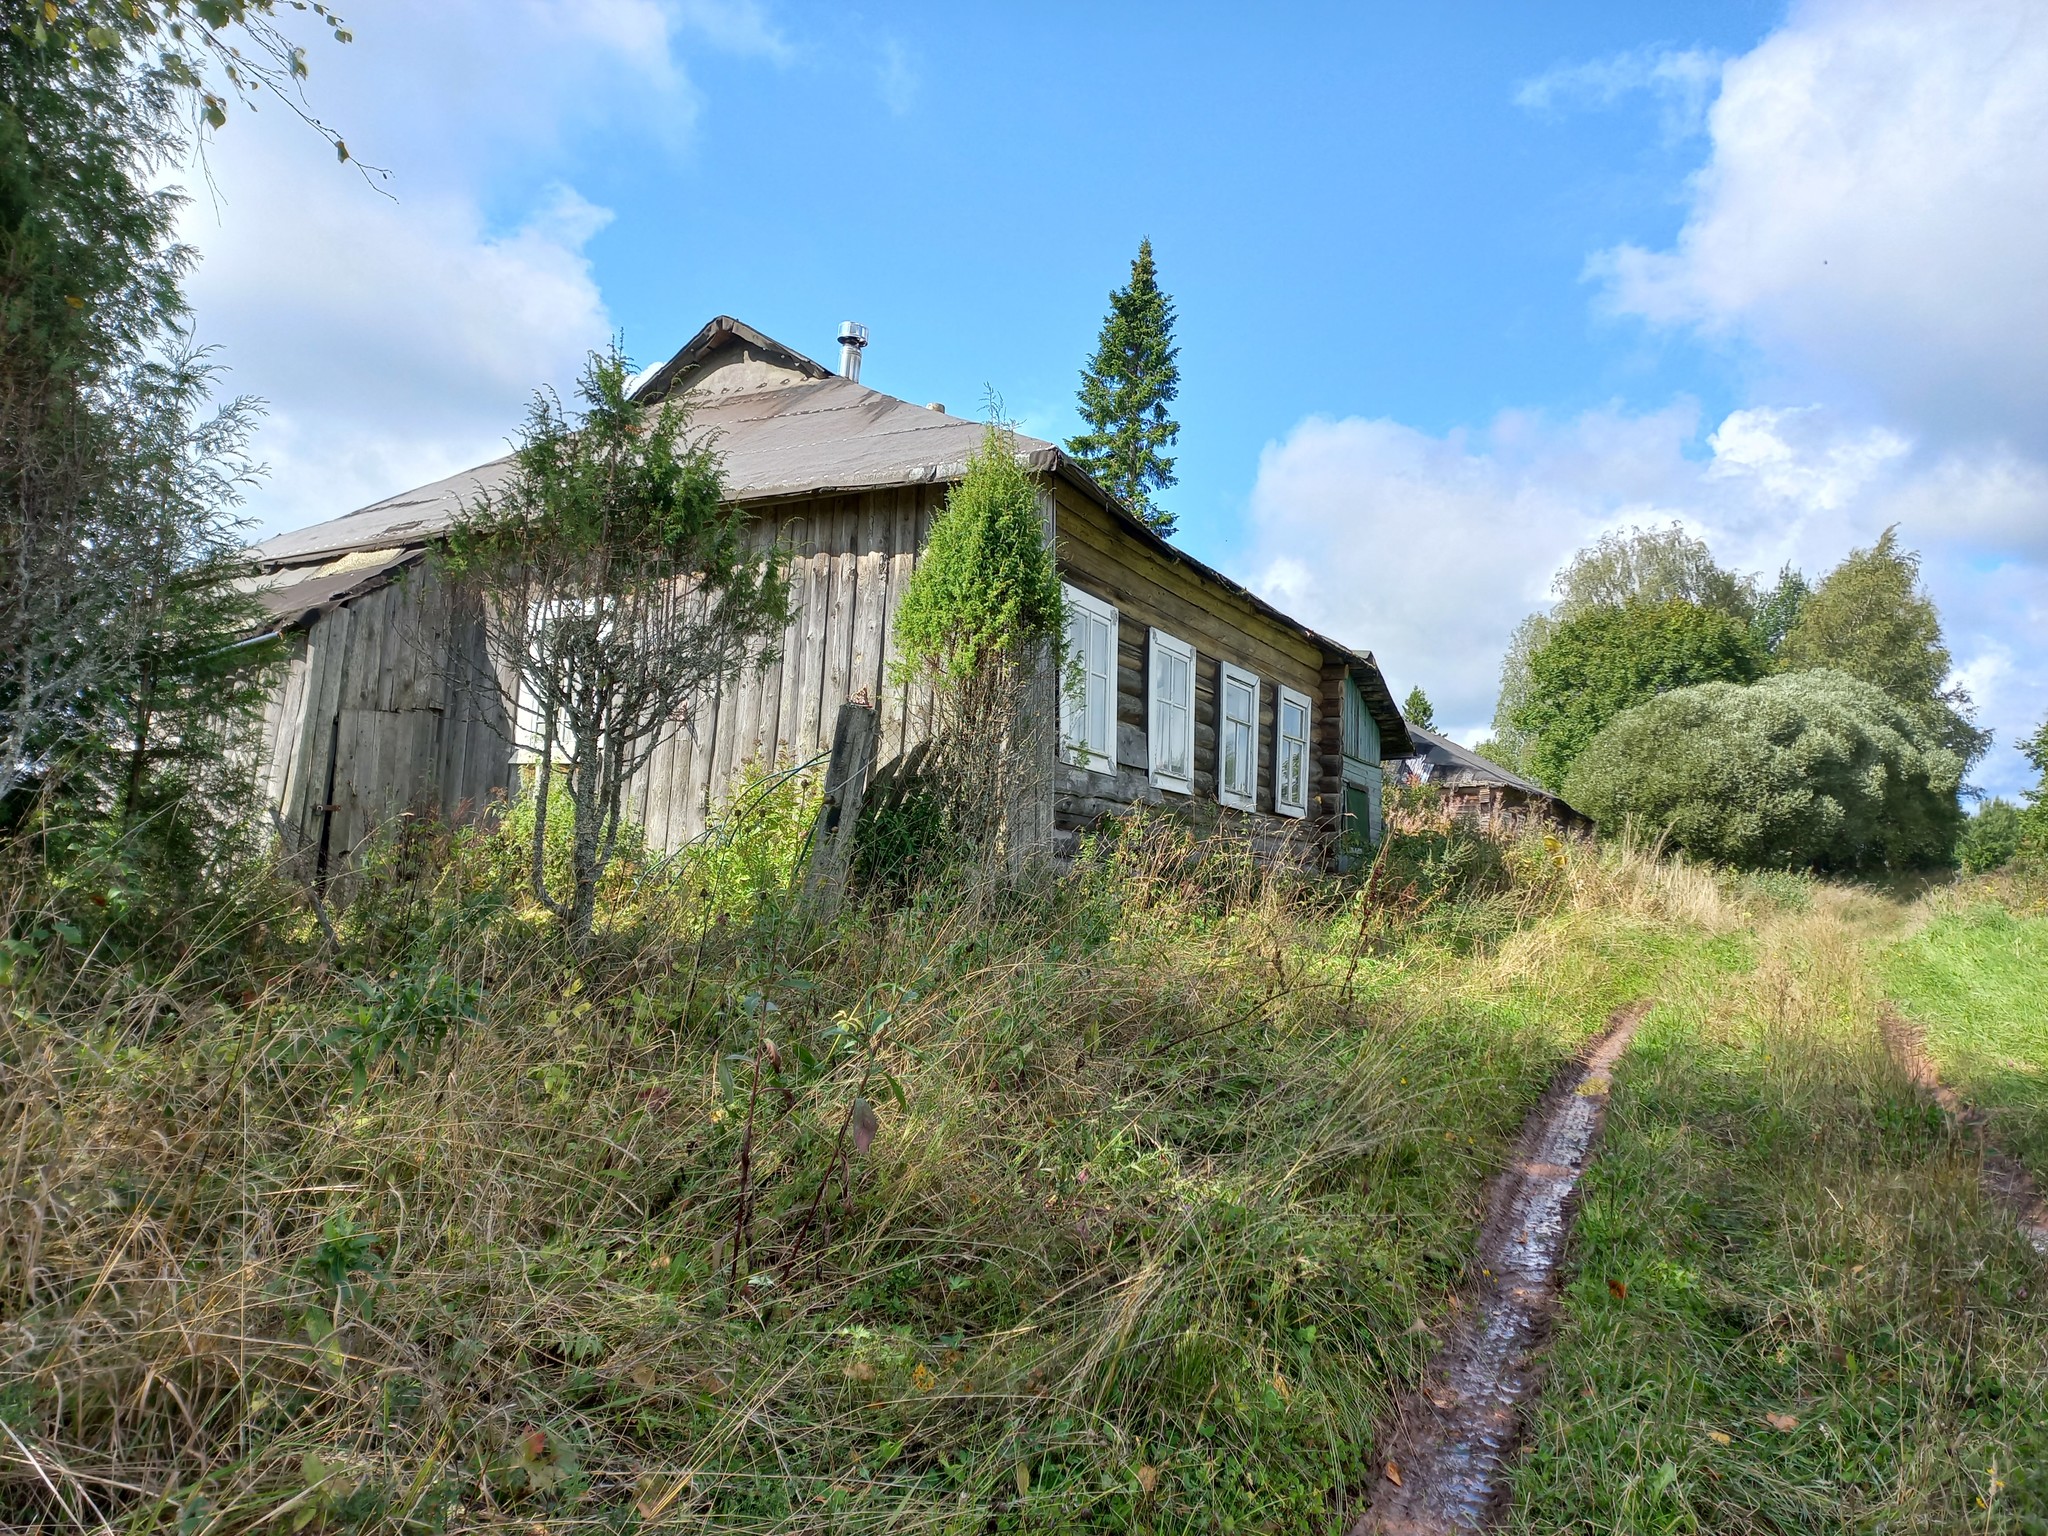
979	627
619	587
1599	662
987	582
1806	768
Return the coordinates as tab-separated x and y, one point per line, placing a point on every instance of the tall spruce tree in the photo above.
1126	389
124	685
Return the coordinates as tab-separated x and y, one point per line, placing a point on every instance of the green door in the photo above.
1357	826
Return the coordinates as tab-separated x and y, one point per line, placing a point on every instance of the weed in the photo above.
1124	1199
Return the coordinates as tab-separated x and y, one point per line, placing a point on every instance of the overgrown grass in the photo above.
1975	979
1124	1201
1793	1308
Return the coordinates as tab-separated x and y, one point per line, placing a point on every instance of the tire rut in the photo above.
2005	1178
1444	1466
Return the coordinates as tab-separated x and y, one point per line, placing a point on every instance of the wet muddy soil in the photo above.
2005	1178
1445	1466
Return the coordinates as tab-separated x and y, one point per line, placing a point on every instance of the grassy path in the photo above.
1794	1308
1975	979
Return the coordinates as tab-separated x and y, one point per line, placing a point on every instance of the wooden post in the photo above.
846	783
1028	818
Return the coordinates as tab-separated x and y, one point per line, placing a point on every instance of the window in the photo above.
1088	702
1290	755
1172	736
1237	739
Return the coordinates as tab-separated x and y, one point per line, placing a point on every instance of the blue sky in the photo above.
1351	211
1459	286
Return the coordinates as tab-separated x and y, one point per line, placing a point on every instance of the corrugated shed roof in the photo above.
293	594
818	435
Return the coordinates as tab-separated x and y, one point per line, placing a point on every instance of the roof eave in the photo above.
1386	714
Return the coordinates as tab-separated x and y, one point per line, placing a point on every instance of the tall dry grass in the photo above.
1117	1200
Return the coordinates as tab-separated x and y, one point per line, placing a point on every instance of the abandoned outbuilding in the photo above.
1479	790
1191	691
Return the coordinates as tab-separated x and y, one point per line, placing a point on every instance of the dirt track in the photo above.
2005	1179
1442	1470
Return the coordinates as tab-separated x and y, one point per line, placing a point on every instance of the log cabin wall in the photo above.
1326	769
1099	555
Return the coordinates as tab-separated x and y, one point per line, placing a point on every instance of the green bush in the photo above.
1812	769
987	583
753	854
1599	663
1991	837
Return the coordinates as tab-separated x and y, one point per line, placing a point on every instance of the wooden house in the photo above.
1191	691
1479	790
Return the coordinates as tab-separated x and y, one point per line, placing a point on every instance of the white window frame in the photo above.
1244	796
1160	710
1291	799
1088	696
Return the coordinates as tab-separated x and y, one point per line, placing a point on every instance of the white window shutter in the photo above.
1088	683
1290	753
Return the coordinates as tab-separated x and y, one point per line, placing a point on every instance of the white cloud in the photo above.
896	77
1872	215
1682	80
1428	550
396	342
398	329
737	26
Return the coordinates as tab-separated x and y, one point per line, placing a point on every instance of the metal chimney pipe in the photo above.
853	338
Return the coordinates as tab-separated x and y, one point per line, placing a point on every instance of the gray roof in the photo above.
1441	755
817	437
796	430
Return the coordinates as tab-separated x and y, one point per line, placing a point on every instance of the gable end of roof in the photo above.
681	371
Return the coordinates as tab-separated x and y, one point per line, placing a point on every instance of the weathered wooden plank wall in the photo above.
851	557
386	704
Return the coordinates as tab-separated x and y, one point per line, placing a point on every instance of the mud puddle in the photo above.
2005	1178
1444	1468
